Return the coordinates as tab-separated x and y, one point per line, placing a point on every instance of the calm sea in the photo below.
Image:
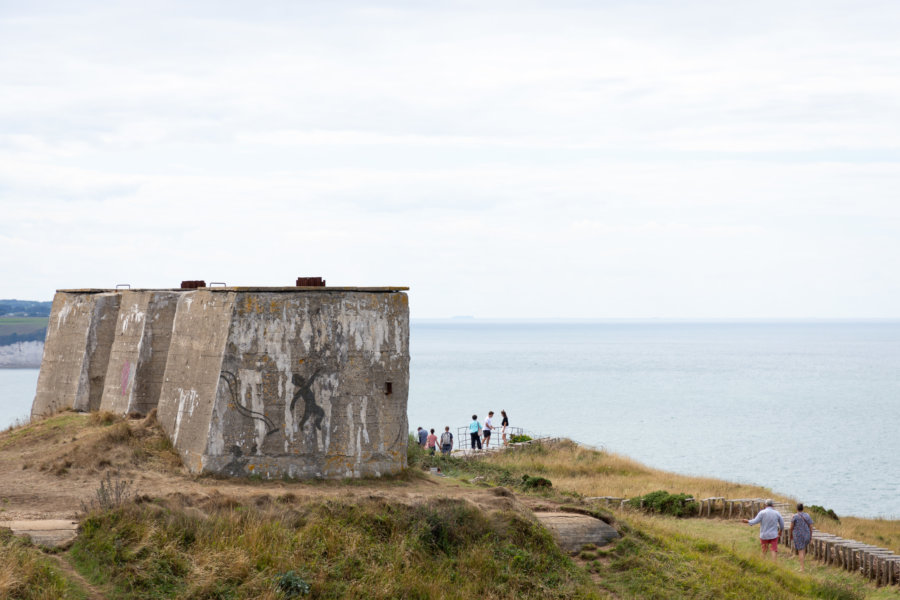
809	409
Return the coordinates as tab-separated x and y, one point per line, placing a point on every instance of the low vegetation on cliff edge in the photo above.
386	544
584	472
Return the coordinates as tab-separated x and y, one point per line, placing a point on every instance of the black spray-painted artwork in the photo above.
303	391
311	410
231	380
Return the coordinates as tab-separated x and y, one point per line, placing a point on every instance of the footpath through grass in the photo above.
27	574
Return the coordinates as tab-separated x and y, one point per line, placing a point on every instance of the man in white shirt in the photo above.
488	427
771	525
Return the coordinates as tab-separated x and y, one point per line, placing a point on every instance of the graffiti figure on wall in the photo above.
311	410
231	380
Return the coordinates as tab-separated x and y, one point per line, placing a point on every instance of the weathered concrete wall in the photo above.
297	388
137	360
76	351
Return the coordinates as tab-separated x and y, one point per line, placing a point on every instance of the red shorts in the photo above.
773	543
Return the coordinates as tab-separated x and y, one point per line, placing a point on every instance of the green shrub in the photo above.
664	503
823	512
291	585
515	439
536	483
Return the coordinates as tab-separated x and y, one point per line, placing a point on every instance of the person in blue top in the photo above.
423	436
801	532
771	525
475	432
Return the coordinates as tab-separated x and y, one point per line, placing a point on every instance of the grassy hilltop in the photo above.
167	534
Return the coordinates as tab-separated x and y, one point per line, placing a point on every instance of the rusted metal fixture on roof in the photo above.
193	285
310	282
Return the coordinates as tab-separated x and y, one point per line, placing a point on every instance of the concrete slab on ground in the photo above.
572	531
47	532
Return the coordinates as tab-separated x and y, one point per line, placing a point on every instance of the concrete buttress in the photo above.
140	348
76	351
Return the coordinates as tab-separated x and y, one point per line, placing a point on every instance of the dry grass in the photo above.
594	473
72	443
26	574
878	532
218	547
103	417
40	431
727	555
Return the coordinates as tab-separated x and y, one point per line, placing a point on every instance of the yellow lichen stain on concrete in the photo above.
248	304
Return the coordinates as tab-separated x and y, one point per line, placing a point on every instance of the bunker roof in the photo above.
217	288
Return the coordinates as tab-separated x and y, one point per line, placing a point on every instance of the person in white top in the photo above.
488	426
771	523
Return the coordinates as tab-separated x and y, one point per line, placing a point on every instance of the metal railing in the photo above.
463	438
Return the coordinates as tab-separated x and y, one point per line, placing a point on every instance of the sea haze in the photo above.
810	409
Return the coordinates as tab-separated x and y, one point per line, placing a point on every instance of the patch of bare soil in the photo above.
53	468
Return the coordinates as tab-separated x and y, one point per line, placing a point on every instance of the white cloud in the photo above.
646	159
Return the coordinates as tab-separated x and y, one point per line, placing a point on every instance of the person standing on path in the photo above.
446	441
423	436
771	525
488	428
801	533
474	430
430	441
504	424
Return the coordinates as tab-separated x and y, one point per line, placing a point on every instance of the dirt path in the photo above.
55	468
93	593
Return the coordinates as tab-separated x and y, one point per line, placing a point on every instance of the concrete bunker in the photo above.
301	382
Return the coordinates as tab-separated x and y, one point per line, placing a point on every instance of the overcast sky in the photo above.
549	159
